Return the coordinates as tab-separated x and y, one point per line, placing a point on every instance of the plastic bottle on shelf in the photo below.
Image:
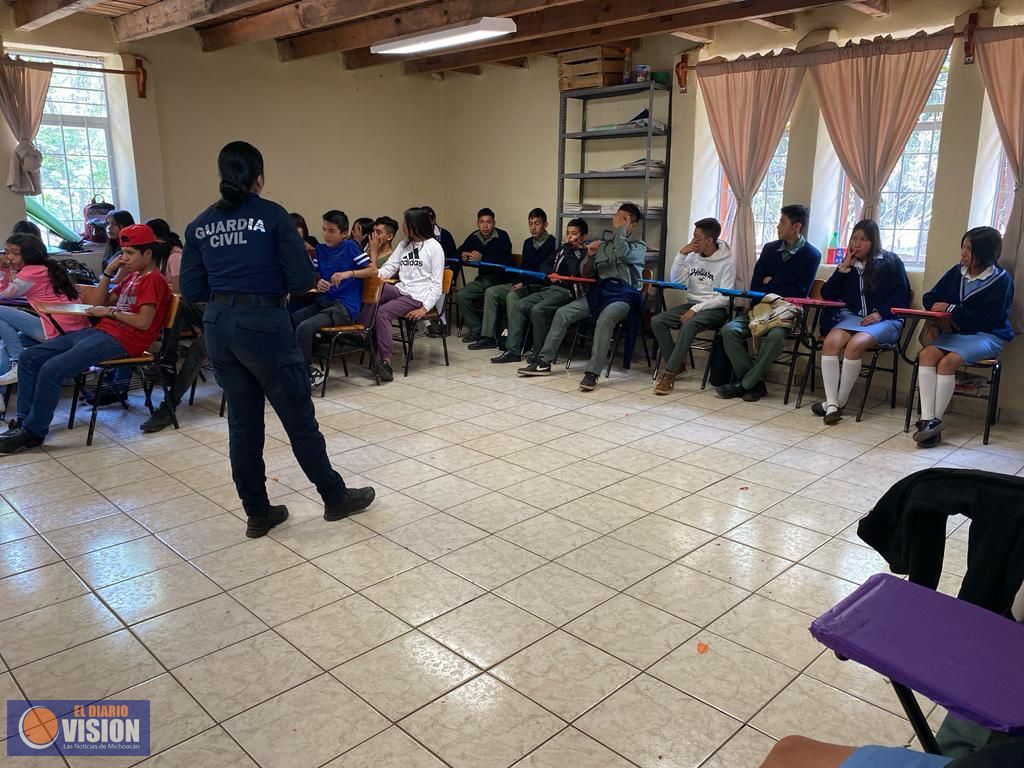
627	66
833	245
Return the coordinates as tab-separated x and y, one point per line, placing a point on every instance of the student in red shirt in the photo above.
132	316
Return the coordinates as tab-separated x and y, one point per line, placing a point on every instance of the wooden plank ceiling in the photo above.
304	28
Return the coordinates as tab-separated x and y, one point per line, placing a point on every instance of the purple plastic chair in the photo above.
961	656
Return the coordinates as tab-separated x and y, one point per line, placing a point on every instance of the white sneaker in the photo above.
11	377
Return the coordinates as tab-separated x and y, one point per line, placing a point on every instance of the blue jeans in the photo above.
17	326
43	368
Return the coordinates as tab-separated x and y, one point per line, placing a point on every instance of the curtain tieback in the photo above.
29	158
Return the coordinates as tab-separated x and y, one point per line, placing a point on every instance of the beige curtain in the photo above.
1001	57
23	88
748	103
871	95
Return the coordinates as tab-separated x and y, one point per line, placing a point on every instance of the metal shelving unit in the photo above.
654	92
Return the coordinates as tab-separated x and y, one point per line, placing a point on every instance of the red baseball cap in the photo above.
137	234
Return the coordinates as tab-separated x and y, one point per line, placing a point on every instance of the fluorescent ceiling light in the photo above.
448	37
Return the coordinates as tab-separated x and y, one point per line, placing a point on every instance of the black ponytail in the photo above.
33	253
240	165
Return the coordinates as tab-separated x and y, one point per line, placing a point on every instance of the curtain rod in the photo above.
139	73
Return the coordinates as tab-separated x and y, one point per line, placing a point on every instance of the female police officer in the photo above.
243	255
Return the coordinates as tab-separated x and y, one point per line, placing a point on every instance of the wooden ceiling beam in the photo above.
597	34
875	8
33	14
577	18
365	33
170	15
785	22
521	63
705	34
294	19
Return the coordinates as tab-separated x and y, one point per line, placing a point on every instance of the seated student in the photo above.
303	229
116	221
977	293
421	261
451	260
169	258
26	272
362	228
537	248
871	282
539	307
384	230
190	315
801	752
703	264
618	264
341	265
26	227
140	305
487	243
786	267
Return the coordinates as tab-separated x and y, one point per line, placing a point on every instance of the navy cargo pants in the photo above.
255	356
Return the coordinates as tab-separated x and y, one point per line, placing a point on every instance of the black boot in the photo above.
260	525
355	499
161	419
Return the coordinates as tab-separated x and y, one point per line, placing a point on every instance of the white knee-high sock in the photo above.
830	378
851	370
945	383
926	386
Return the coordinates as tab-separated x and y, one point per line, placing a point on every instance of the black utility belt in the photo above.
251	300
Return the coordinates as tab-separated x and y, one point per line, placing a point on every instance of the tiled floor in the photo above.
531	587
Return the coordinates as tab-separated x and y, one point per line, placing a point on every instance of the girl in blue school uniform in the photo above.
870	282
977	294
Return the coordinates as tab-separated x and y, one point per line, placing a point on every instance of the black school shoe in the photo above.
355	499
507	357
384	371
927	435
161	419
536	367
19	440
469	338
756	393
729	391
818	408
260	525
832	416
484	342
589	382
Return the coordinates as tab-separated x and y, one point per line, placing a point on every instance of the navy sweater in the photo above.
497	250
791	278
534	258
987	310
891	288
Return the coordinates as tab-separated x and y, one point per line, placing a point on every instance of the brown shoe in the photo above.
666	383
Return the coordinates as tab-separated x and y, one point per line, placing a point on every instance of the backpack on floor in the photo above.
718	362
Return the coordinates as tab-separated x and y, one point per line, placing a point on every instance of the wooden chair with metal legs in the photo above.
357	336
407	327
140	363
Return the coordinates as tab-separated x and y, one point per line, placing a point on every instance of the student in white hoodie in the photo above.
421	261
703	264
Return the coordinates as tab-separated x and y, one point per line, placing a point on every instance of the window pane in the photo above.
100	172
80	172
50	140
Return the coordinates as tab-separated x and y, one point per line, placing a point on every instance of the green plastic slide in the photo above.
38	211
